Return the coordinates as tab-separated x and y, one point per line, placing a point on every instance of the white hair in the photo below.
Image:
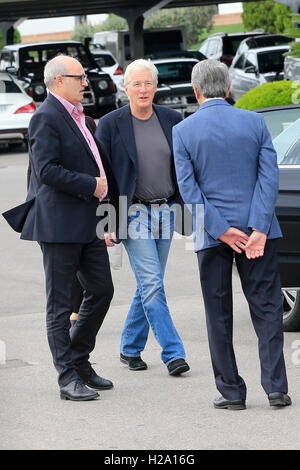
140	64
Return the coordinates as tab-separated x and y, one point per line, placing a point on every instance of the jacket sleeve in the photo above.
45	151
214	223
266	188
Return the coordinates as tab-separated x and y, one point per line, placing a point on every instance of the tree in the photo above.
196	20
271	16
82	31
17	38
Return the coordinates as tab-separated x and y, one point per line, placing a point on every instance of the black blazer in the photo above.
60	206
115	131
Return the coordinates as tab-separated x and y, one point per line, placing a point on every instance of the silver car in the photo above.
255	67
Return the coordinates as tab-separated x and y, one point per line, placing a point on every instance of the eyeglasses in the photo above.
82	78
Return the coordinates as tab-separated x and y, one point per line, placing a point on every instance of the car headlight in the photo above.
39	90
169	100
103	84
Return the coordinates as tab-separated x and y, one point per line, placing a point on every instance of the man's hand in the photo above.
235	238
108	237
255	246
101	186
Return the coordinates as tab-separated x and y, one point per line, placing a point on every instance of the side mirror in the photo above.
11	69
251	69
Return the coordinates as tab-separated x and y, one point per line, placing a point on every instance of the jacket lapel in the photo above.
125	126
68	118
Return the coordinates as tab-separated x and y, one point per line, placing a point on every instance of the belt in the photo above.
163	200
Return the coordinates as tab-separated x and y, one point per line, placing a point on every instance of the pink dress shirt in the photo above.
76	112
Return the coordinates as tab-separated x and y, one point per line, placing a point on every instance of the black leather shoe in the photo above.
77	391
91	379
279	399
177	367
133	363
222	404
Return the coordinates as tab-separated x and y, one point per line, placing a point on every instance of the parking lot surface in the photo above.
148	409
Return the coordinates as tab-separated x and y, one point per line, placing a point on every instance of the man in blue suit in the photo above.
138	142
70	174
225	163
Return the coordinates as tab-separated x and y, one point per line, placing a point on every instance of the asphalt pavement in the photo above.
146	410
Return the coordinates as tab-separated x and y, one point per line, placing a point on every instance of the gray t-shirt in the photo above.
154	179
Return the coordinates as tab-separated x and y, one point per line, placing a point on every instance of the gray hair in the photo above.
140	64
55	66
211	78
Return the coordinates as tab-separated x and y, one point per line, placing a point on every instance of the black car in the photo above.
174	85
283	123
27	62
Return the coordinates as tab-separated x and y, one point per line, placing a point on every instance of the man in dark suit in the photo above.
229	168
138	142
70	174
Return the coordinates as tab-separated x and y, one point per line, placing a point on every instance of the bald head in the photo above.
60	65
64	76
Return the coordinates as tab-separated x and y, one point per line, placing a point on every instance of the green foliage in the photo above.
112	22
294	32
17	38
82	31
269	94
195	20
268	15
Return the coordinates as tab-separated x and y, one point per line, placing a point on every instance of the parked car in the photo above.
174	85
27	62
109	64
283	123
223	46
16	109
263	40
255	67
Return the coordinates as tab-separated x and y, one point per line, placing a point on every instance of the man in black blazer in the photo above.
138	142
70	174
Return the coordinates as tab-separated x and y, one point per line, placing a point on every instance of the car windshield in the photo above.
265	41
279	120
174	72
7	86
231	44
271	61
34	59
287	145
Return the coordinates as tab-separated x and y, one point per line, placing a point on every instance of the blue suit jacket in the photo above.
60	206
225	160
115	131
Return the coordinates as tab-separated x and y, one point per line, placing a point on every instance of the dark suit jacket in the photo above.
92	127
115	131
61	205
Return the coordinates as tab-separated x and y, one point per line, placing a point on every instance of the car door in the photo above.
236	75
249	79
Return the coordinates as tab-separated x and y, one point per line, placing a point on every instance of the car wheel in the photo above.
291	309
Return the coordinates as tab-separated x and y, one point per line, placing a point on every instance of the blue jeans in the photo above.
150	231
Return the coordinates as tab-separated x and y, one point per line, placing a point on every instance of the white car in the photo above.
16	109
109	64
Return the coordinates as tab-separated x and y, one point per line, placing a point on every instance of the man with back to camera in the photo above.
226	162
138	141
69	175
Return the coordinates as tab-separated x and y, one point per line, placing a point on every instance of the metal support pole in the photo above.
8	32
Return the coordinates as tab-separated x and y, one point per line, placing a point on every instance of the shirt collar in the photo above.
71	108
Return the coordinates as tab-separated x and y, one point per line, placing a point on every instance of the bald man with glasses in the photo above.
70	175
